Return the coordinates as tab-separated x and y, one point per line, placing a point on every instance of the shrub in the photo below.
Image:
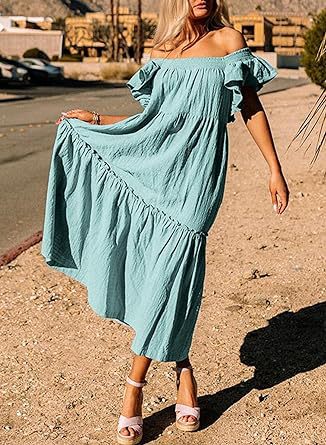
75	75
113	71
35	53
313	38
71	58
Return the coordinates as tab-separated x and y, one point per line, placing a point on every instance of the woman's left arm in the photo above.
257	124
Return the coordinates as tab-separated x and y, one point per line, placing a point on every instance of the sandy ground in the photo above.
259	345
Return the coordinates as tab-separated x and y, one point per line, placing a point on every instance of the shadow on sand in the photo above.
292	343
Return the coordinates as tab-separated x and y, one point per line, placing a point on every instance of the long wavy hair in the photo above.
176	20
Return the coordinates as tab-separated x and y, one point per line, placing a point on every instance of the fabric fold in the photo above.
140	276
251	71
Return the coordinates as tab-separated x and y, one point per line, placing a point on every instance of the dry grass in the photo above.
118	72
75	75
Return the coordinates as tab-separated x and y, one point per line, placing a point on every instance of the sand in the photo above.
259	347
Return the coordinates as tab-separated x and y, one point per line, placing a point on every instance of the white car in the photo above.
53	72
13	73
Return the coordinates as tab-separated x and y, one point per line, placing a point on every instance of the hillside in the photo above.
238	6
54	8
61	8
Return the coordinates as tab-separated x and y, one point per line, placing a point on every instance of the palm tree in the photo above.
139	33
113	32
316	118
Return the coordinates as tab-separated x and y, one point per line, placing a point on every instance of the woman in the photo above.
131	199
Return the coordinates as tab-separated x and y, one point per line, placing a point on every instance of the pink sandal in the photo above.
135	422
185	410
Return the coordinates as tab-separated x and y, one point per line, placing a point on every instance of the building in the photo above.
279	36
21	21
288	33
19	34
256	28
90	35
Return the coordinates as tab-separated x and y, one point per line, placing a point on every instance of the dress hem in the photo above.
52	261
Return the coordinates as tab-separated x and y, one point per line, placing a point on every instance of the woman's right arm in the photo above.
110	119
88	116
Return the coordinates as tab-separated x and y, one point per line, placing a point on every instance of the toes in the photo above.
128	431
190	419
124	431
131	431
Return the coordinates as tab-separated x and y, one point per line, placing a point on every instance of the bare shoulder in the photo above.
157	53
228	39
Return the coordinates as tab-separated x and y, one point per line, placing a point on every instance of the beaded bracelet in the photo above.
96	118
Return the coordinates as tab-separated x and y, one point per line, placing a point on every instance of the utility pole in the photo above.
112	31
139	33
117	25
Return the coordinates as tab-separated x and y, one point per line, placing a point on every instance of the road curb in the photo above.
15	99
15	251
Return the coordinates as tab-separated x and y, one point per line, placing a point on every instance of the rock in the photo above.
234	308
262	397
254	274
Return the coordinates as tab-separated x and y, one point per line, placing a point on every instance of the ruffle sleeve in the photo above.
251	70
141	83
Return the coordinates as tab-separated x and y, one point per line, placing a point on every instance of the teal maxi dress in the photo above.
129	205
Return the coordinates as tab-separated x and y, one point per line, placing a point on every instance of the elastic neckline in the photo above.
234	53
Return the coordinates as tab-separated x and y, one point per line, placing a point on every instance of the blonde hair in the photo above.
173	25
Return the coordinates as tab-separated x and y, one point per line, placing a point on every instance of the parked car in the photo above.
13	73
36	76
41	65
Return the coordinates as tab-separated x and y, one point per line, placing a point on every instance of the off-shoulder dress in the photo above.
129	205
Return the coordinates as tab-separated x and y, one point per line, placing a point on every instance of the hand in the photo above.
279	192
83	115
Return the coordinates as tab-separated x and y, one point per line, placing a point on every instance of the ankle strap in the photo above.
137	384
181	368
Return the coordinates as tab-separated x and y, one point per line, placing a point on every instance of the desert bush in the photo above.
313	38
118	72
82	75
35	53
71	58
75	75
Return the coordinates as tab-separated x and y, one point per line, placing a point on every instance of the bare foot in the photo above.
187	392
131	407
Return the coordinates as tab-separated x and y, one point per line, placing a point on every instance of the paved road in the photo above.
75	87
68	86
27	133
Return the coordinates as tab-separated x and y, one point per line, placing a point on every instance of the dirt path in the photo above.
259	345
